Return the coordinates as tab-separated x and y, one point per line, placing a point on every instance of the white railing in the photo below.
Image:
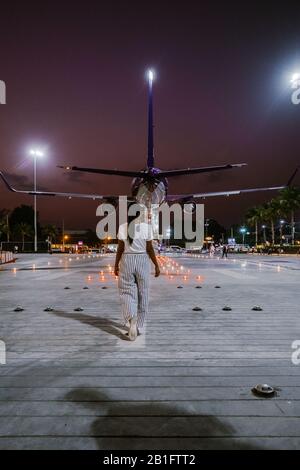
6	257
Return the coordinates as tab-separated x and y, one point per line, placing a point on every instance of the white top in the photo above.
142	234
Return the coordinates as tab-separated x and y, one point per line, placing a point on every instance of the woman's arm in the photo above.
152	256
120	250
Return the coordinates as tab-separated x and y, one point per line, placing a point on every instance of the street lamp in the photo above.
264	232
282	222
295	79
243	231
151	75
36	153
206	225
65	238
295	85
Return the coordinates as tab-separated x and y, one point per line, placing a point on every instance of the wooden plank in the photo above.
139	393
90	443
188	426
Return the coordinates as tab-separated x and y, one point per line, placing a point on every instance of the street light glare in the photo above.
295	77
36	152
150	75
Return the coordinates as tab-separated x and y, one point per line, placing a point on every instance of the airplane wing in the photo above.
103	171
187	197
161	174
204	169
56	193
235	192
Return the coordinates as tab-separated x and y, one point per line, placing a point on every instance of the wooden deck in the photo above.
72	382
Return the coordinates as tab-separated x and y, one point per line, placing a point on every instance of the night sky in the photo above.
75	77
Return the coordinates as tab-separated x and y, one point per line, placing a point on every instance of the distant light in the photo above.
151	75
36	152
295	77
243	230
282	221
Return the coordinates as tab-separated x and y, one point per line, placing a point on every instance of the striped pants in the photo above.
133	283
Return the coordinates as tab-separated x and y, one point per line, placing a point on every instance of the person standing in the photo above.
224	251
212	250
132	266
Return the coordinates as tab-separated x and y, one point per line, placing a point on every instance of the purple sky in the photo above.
76	86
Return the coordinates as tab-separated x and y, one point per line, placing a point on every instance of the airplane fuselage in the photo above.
150	189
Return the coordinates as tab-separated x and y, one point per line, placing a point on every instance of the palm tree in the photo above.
4	225
265	217
50	231
289	198
25	230
253	217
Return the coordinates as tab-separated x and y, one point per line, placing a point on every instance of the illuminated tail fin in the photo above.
150	159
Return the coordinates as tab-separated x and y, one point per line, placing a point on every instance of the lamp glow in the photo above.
295	77
150	75
36	153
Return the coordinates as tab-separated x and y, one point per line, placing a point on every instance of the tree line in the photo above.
18	225
284	205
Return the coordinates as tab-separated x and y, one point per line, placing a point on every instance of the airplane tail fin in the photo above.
150	158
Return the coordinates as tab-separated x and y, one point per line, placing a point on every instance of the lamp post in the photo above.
206	225
36	153
282	222
243	231
264	232
7	227
65	238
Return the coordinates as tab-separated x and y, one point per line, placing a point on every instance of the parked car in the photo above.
176	249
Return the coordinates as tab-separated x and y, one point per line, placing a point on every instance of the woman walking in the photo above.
132	266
